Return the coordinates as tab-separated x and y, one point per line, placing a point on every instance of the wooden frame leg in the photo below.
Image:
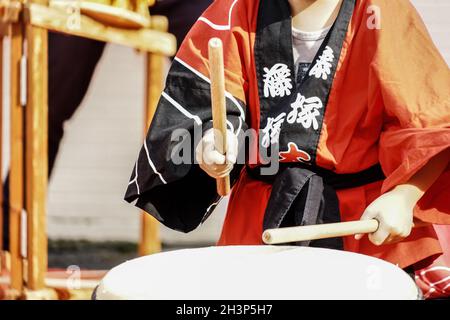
37	155
154	85
16	179
1	152
149	238
149	242
3	254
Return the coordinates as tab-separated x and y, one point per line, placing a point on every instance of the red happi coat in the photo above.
388	104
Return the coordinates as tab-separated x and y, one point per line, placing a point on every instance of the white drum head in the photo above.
256	273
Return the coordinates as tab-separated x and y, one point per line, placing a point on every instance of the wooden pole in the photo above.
1	151
16	178
154	84
219	111
37	154
3	254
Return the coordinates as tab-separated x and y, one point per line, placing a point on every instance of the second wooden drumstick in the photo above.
323	231
218	102
319	231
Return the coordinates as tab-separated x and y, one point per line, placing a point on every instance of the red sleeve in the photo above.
183	111
414	81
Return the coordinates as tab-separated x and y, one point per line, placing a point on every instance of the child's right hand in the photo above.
215	164
394	212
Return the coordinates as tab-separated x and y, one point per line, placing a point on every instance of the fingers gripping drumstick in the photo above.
323	231
219	114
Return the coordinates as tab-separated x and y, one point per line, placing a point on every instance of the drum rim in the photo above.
419	294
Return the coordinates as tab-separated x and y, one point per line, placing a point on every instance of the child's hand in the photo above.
212	161
394	212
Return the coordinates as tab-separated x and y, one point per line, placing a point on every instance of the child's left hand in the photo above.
394	212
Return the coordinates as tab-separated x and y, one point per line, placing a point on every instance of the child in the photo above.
351	95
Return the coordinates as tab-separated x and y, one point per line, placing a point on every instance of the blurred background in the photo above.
89	224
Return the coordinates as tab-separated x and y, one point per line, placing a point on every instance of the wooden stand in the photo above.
29	128
154	84
36	163
16	175
1	153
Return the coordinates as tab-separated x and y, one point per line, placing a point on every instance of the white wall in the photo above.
436	15
97	155
103	138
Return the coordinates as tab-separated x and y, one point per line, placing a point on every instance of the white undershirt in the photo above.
305	45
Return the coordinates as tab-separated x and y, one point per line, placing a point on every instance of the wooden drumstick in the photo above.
218	102
323	231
